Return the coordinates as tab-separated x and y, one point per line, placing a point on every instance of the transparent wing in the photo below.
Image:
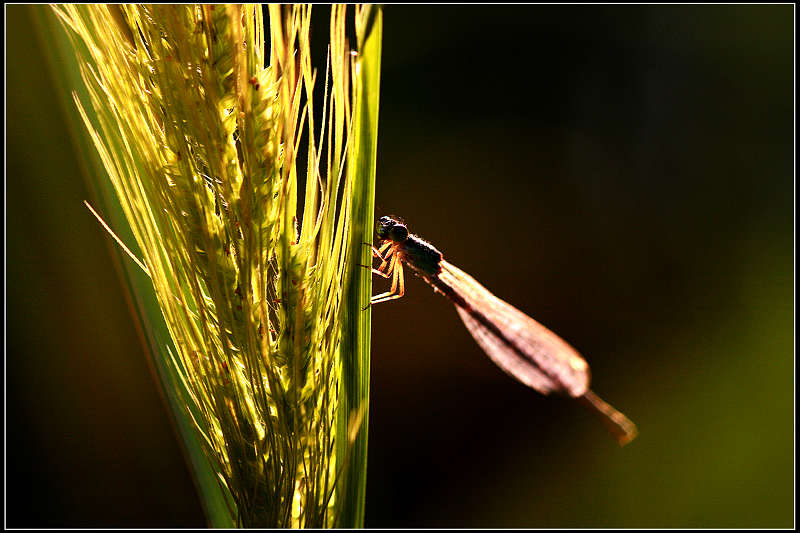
518	344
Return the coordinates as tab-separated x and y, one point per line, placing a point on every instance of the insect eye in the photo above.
398	233
383	227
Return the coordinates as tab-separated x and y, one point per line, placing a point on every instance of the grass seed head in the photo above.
201	142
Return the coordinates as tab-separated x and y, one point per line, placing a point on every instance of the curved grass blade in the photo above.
144	307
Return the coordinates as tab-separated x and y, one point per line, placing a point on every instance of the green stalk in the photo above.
357	339
200	142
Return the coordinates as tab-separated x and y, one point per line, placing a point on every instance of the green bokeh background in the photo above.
622	173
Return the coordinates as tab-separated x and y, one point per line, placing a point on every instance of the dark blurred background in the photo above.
624	174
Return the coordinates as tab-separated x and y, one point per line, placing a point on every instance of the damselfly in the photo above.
523	348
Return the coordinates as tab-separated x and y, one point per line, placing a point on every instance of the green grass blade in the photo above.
356	340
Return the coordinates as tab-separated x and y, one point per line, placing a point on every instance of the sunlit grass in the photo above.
259	286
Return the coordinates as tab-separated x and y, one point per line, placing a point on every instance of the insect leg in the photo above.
384	264
381	273
378	272
385	247
398	285
375	252
392	268
385	260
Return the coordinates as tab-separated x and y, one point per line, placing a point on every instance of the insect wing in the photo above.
522	347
